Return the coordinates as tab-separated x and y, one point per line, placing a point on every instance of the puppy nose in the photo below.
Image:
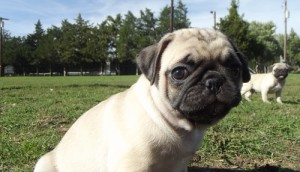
214	84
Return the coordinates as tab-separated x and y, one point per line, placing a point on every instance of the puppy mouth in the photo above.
281	77
205	107
281	74
208	114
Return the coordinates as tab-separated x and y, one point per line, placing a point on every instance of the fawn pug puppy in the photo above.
267	83
190	80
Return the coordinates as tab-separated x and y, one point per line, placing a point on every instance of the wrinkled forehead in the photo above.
199	44
280	66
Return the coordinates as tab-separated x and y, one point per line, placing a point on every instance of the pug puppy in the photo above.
190	80
272	82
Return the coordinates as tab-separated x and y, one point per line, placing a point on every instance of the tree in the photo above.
65	47
73	44
265	48
114	26
98	45
48	49
180	19
163	22
293	48
180	16
14	54
146	28
10	53
127	44
82	34
236	28
33	41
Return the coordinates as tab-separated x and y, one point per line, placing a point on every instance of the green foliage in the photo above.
127	44
180	19
146	29
164	22
81	44
66	41
265	48
236	28
37	111
293	50
257	40
114	25
35	44
118	40
180	16
14	48
82	35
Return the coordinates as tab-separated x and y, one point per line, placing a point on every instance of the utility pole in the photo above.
215	16
1	45
172	16
286	16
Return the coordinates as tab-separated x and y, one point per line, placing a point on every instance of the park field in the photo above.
35	112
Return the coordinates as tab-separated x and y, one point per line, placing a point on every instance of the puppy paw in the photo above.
248	99
279	101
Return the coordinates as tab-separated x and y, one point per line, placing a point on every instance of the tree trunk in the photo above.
24	73
65	71
37	71
100	70
50	70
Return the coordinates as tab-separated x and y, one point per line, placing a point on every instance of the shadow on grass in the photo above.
16	88
291	102
266	168
70	86
99	85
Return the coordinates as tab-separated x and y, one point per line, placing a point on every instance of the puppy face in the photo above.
198	71
280	70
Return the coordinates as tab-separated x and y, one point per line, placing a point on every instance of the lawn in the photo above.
35	112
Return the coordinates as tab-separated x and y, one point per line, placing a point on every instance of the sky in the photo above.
24	14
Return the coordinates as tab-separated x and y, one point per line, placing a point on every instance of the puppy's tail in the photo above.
45	164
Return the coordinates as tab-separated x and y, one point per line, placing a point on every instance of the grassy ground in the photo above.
35	112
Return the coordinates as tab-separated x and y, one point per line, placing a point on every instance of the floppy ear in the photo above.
243	59
148	60
272	66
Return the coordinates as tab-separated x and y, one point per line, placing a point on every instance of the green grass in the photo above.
256	134
35	112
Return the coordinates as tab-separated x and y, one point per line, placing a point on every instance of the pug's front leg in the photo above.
264	95
278	97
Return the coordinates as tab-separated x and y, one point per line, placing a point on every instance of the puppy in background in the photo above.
191	79
272	82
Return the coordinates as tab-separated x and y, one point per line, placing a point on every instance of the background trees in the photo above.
294	47
84	47
265	48
235	27
257	40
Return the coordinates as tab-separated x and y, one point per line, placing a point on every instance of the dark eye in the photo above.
180	73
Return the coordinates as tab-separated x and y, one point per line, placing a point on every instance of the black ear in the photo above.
289	67
244	60
148	60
